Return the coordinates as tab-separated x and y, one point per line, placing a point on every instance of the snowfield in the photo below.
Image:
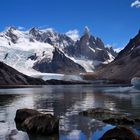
16	55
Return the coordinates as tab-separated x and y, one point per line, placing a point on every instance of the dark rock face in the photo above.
126	65
59	64
9	76
33	57
6	55
34	122
43	124
120	133
10	34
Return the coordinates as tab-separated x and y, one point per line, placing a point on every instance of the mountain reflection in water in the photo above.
66	102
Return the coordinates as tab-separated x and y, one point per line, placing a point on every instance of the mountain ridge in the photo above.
126	64
17	49
10	76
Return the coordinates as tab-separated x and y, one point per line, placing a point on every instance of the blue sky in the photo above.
115	21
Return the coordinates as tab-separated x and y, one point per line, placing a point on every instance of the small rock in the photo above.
120	121
100	113
120	133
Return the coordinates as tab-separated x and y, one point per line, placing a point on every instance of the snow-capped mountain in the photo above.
36	51
91	48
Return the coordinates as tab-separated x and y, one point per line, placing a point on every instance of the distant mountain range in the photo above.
47	51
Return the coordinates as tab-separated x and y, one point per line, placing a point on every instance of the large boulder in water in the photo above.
44	124
34	122
120	133
23	114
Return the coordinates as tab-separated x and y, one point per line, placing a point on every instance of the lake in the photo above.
66	102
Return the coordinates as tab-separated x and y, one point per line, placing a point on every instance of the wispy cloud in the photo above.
73	34
20	28
136	4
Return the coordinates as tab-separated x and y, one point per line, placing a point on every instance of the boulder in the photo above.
23	114
43	124
120	133
34	122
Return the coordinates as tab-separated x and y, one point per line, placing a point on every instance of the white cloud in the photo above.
20	28
73	34
136	4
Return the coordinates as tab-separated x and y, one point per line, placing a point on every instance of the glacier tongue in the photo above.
86	64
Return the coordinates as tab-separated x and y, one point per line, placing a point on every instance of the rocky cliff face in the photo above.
59	64
92	48
126	65
9	76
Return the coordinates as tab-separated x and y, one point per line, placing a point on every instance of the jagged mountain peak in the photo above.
33	31
92	48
